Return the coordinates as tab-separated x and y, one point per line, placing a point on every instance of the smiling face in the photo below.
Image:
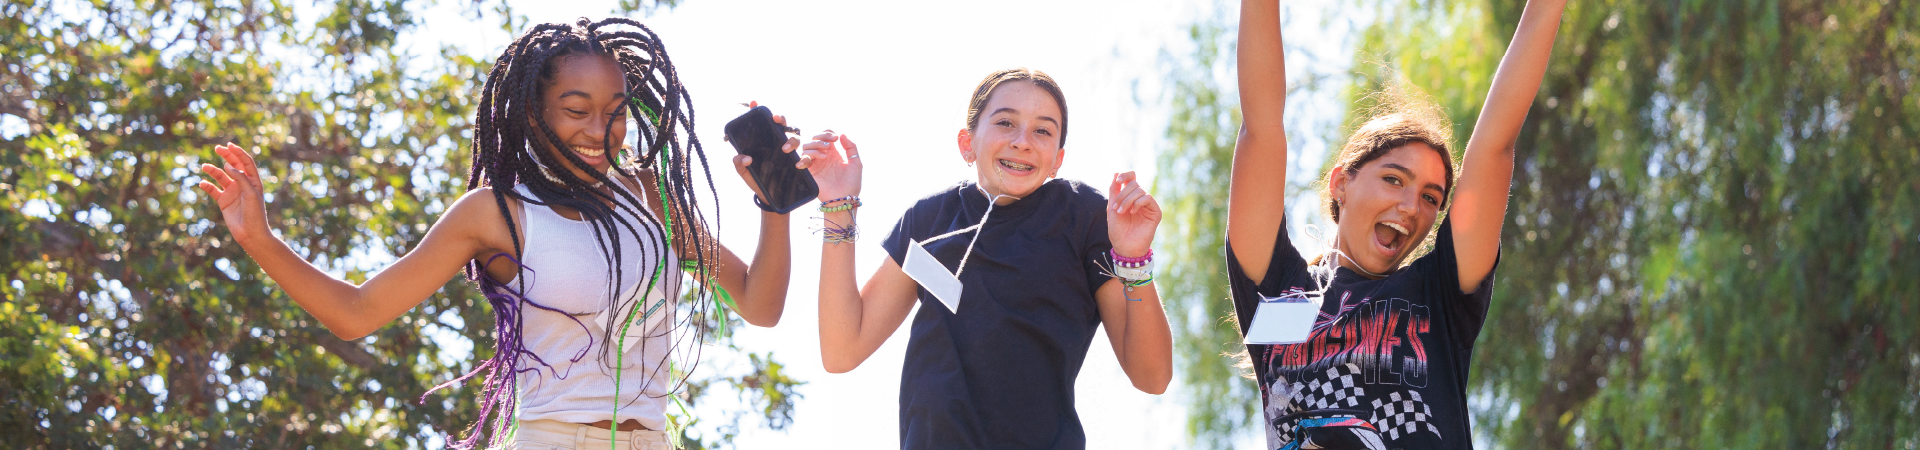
1388	206
585	93
1014	142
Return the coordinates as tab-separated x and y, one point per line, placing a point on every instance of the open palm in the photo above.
835	164
239	192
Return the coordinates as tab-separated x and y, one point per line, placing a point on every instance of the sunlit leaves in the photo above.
130	317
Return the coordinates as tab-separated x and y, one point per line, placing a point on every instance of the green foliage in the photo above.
131	320
1190	185
1712	235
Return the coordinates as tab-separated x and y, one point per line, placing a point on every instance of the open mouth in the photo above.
1392	237
593	156
1010	165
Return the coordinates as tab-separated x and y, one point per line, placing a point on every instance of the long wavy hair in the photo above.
510	134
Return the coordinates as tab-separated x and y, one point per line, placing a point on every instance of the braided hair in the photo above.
510	135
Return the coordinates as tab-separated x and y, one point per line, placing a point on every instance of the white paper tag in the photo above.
1283	320
932	275
655	310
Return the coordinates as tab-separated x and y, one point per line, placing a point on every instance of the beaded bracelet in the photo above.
1133	272
1123	261
840	207
847	203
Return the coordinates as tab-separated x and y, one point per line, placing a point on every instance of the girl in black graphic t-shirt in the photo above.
1034	258
1385	365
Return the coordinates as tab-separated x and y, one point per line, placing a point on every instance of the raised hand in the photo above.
740	162
836	171
1132	216
239	194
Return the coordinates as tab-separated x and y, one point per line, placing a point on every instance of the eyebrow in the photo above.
577	92
1410	174
1016	111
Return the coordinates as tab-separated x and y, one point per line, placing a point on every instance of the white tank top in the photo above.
567	271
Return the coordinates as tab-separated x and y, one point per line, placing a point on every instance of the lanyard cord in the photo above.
991	200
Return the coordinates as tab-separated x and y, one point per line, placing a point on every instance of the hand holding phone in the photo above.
784	186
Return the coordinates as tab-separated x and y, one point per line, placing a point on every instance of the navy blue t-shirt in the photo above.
1000	373
1395	349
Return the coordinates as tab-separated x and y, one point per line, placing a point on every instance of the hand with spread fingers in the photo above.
239	192
834	161
1132	216
740	162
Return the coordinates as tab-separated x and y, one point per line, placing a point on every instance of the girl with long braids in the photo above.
1384	365
578	241
1013	272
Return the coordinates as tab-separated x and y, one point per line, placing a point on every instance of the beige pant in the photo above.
557	435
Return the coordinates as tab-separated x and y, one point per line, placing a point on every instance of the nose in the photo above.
598	129
1023	141
1409	204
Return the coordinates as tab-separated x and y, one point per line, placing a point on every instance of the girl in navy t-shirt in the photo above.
1385	363
1013	273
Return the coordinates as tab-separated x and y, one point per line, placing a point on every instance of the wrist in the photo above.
255	240
1132	251
829	196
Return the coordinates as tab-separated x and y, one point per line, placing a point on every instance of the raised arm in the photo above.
1486	173
854	321
349	311
759	290
1135	319
1256	204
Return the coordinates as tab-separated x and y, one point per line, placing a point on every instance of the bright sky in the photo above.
895	77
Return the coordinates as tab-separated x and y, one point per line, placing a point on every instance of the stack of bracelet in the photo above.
1133	272
833	231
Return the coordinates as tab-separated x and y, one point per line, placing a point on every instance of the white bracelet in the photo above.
1134	273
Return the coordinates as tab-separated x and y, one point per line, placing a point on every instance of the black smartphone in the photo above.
786	187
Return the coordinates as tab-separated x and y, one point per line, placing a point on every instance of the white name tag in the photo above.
932	275
651	314
1283	320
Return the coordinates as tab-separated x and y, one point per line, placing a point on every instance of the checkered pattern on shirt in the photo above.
1398	415
1338	390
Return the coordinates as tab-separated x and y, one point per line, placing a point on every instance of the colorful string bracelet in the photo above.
1133	272
833	233
847	203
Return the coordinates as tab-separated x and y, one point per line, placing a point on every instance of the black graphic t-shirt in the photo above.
999	374
1394	349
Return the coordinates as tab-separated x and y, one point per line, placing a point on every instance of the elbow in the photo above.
837	363
1152	379
1155	383
349	333
1257	129
762	321
837	367
761	310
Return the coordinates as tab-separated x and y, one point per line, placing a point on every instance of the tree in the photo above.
1204	118
1712	236
132	321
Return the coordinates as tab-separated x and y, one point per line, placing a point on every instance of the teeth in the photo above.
1015	165
1396	227
590	151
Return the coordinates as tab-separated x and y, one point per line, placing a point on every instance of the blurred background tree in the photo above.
1714	235
129	318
